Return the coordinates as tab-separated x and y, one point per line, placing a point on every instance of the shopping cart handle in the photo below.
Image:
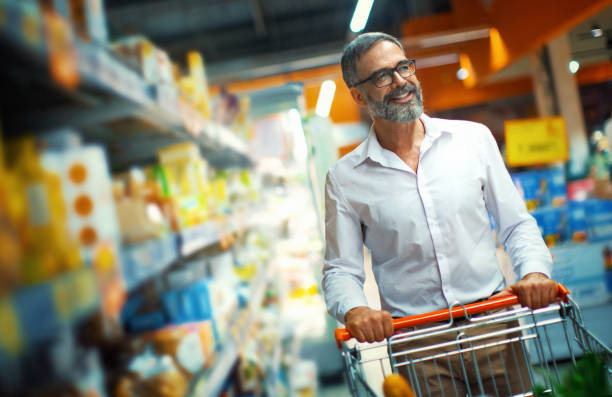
342	334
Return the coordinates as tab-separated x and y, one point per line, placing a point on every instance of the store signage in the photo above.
536	141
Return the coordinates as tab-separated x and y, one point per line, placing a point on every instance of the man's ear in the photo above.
358	96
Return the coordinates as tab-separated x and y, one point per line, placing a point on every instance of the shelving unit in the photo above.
210	383
109	92
42	310
113	106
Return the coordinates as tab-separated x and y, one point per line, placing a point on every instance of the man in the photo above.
416	192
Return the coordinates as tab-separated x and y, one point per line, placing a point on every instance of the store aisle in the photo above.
334	390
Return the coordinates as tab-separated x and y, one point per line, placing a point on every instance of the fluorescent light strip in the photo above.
361	15
439	60
436	40
326	96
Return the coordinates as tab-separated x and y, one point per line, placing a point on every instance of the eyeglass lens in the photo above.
385	77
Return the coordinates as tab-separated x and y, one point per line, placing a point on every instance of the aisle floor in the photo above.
334	390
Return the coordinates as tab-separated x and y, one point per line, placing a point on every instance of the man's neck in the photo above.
400	138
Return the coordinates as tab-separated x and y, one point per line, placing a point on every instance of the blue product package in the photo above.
552	223
554	187
529	186
599	219
188	306
576	221
200	297
146	322
171	301
36	312
131	307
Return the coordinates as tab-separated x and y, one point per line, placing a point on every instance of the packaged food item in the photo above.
542	188
195	85
141	211
552	223
87	187
87	17
48	246
183	173
11	215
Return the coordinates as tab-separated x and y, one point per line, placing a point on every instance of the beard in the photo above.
398	112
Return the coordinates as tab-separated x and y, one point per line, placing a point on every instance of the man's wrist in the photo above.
352	311
535	275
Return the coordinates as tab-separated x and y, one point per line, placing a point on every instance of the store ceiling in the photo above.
244	39
251	38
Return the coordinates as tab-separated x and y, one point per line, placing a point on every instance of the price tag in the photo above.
536	141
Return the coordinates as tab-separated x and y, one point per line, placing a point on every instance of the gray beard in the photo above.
398	112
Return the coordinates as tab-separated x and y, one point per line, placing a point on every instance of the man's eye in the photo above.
403	68
382	76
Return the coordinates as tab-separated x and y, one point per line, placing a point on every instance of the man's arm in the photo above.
343	273
518	231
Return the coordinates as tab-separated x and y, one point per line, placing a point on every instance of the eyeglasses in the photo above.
384	77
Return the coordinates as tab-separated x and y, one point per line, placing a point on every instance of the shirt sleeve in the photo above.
343	272
517	229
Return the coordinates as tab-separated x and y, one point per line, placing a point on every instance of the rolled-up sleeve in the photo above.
343	272
517	229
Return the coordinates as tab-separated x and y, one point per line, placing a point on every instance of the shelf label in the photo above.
536	141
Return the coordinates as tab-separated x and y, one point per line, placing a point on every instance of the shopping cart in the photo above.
488	348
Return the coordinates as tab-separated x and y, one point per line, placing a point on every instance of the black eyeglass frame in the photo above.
389	70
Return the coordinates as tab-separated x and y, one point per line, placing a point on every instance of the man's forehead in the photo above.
382	54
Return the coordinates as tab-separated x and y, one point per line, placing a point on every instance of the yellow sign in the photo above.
536	141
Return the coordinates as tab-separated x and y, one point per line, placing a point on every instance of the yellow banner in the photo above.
536	141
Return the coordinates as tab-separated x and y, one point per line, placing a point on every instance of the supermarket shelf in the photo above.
112	105
41	310
198	237
209	383
143	261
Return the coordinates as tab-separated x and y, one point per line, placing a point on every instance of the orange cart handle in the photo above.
342	334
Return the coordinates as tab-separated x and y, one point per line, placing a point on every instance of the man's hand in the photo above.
535	290
369	325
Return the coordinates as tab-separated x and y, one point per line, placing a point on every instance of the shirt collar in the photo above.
377	153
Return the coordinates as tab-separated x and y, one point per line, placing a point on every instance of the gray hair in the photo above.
355	50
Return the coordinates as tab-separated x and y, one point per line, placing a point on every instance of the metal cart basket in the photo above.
488	348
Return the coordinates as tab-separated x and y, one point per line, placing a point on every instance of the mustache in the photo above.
406	89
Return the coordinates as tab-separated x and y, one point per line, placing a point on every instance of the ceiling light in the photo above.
462	73
573	66
326	96
361	14
596	31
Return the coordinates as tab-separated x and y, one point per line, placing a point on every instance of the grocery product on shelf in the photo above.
142	211
185	177
49	248
197	84
87	17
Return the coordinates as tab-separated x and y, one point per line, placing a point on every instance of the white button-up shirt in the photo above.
428	231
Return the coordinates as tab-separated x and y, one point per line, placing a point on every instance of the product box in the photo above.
599	219
146	322
87	191
582	269
86	16
576	221
541	188
552	223
529	187
554	187
188	304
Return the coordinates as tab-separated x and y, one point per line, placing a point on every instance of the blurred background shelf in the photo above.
111	104
35	314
